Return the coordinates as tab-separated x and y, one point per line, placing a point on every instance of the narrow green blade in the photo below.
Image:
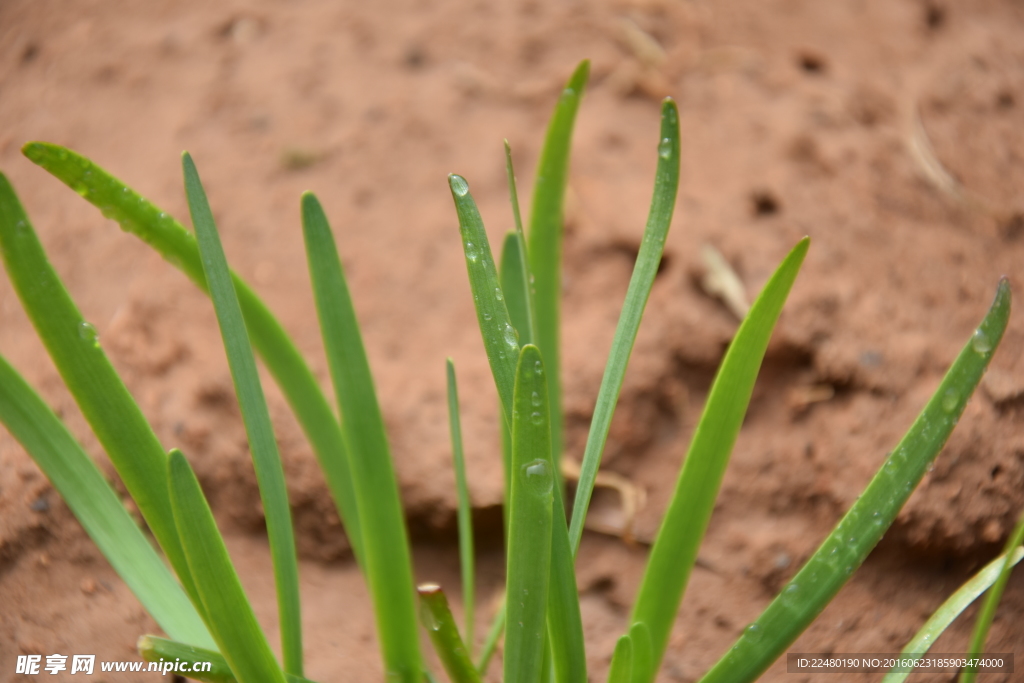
666	185
643	669
621	670
529	543
545	241
191	662
465	511
513	193
565	623
265	456
74	346
229	615
500	340
437	618
806	595
675	549
988	608
94	502
385	542
950	610
138	216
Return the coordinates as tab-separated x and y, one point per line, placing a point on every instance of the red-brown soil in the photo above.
798	118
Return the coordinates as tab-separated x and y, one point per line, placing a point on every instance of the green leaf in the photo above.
465	508
436	617
385	542
530	519
643	667
138	216
229	615
545	241
988	608
666	184
950	610
803	598
94	502
501	342
265	456
621	670
675	549
74	347
565	623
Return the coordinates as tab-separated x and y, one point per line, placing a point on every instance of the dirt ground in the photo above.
890	132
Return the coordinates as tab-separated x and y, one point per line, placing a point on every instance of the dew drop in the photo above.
510	337
458	184
471	252
665	148
792	588
487	316
537	419
428	618
538	368
535	399
497	293
536	476
752	633
980	342
87	333
569	92
950	401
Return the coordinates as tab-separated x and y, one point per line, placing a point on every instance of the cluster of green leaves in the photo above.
205	612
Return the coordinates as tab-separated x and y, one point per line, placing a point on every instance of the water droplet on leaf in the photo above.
536	476
665	148
980	342
87	332
459	185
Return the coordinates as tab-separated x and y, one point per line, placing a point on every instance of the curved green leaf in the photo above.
385	542
94	502
545	240
141	218
437	618
666	185
229	615
74	347
675	549
262	444
807	594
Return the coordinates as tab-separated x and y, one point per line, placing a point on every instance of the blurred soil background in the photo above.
892	133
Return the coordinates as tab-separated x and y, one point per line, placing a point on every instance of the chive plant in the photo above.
198	601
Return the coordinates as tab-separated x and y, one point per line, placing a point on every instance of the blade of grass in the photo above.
256	417
675	549
529	544
500	340
642	665
666	184
565	623
806	595
465	510
545	243
950	610
138	216
385	542
988	608
95	504
229	615
621	670
436	617
74	347
513	193
169	652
